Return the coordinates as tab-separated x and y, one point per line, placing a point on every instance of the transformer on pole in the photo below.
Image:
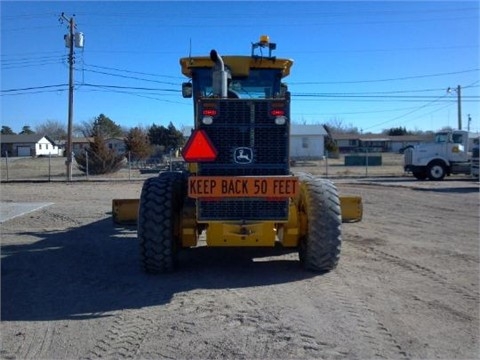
72	39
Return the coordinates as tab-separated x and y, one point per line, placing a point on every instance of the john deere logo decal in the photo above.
243	155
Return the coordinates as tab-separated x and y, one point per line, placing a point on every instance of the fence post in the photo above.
49	167
366	161
326	164
129	167
6	162
86	163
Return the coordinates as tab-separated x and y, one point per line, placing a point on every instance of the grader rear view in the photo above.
239	190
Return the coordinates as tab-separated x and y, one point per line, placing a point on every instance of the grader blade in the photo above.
352	208
125	211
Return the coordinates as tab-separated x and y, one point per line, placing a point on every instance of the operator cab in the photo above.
245	77
259	84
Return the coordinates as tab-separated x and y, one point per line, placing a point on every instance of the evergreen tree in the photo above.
101	159
27	130
7	130
330	144
158	135
168	137
106	127
175	137
138	144
398	131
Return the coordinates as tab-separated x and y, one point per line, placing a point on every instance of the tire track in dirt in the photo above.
124	337
382	342
423	271
230	323
283	331
211	324
31	344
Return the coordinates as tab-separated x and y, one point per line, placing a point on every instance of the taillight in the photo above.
277	112
209	112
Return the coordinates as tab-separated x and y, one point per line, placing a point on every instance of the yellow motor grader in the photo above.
238	189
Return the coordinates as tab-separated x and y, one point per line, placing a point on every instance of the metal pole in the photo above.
366	161
86	163
326	164
49	167
6	162
70	102
129	167
459	104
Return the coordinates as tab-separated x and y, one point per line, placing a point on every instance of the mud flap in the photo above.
352	208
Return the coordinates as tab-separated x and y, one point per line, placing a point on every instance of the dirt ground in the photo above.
407	286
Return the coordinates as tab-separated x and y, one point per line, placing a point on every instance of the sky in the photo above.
370	65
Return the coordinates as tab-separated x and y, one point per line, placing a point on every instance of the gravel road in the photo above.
407	286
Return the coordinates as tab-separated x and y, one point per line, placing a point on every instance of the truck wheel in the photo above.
420	175
319	249
436	171
158	221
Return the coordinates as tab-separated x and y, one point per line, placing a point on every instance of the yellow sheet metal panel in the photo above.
188	227
125	211
352	208
236	234
239	65
289	233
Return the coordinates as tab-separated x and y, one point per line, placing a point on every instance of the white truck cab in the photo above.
447	155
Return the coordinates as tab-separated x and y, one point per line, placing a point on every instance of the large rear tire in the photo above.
159	220
319	249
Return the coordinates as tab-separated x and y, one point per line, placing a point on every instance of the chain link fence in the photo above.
53	168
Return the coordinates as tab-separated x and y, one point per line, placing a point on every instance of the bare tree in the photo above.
53	128
337	126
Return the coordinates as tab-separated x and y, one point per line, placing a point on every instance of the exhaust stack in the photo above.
220	76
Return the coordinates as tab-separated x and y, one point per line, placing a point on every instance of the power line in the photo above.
33	88
129	87
350	51
384	80
35	92
279	13
140	95
132	72
127	77
29	59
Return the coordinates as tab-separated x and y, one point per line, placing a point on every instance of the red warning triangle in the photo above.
199	148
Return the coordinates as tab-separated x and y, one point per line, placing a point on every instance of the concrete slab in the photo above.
10	210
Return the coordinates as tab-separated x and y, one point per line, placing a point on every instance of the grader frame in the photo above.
238	190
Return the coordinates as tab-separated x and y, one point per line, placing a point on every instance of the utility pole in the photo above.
459	104
70	43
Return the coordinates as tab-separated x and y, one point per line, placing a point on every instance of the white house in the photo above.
307	141
28	145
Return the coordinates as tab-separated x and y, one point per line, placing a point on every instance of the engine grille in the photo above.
408	157
245	124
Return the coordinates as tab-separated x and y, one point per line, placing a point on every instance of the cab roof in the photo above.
238	65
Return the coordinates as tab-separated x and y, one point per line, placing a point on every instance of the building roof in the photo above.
23	138
381	137
300	129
